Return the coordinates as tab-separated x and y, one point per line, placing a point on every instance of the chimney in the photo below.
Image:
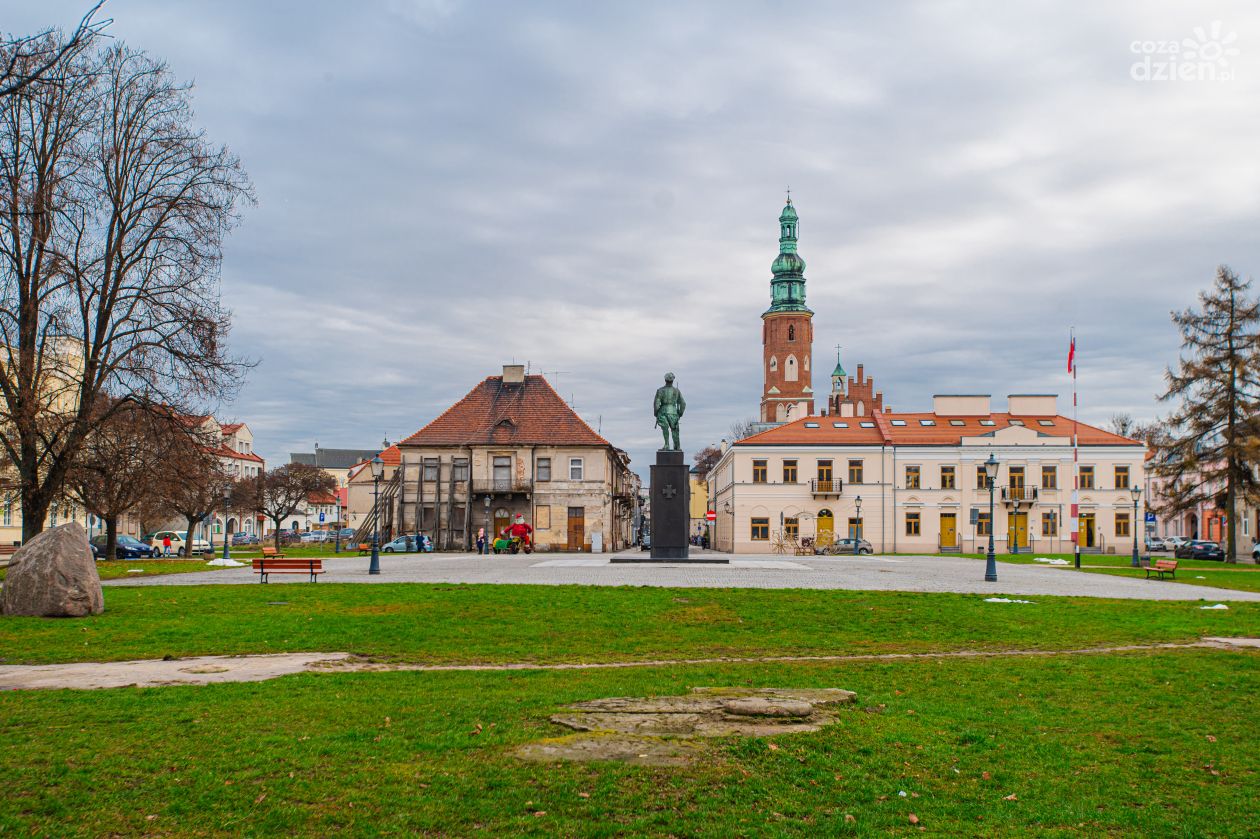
513	374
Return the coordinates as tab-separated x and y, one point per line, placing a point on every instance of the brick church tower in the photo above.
787	332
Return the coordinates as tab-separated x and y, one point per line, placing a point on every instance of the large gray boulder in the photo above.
53	576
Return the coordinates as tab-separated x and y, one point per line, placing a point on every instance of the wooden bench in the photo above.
1162	567
272	553
365	548
271	565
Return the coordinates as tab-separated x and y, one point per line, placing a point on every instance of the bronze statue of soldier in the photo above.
668	407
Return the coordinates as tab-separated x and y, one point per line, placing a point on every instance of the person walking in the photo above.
481	541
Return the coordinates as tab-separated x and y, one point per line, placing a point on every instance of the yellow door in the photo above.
1017	530
826	528
1087	536
949	530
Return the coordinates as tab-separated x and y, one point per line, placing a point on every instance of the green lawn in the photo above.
1132	744
1123	745
578	623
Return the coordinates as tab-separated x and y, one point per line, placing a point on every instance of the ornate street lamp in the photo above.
1137	493
857	532
378	469
990	561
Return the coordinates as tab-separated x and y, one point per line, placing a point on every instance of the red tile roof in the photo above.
915	433
321	498
508	414
227	451
390	457
231	427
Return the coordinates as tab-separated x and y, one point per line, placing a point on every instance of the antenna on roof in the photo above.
599	424
556	374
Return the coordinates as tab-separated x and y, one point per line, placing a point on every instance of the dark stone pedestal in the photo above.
670	512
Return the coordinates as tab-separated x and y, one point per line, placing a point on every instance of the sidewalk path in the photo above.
205	670
866	573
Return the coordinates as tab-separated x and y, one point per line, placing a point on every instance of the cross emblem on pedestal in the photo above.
668	491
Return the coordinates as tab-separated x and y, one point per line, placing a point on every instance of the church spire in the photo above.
787	288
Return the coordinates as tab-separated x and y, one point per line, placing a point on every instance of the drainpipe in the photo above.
894	499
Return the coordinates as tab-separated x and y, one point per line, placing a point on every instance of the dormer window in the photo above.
898	422
987	422
867	424
927	422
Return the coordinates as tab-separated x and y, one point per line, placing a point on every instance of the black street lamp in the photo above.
378	469
227	499
857	531
990	562
1137	493
489	534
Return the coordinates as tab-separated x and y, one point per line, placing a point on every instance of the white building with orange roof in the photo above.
918	479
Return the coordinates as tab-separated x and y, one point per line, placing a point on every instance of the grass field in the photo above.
1201	572
1121	744
577	623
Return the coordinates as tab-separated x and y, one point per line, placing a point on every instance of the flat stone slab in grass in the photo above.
658	727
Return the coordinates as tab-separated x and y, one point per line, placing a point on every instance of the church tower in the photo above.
787	332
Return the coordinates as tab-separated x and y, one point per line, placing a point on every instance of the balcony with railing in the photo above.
501	486
825	488
1024	495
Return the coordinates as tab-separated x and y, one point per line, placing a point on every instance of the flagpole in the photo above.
1076	461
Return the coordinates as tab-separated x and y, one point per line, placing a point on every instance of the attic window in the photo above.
867	424
1016	422
927	422
987	422
1045	422
839	425
811	425
957	422
898	422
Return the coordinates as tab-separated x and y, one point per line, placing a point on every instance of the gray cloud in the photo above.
446	186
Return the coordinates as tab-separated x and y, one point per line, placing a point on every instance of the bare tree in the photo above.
113	211
27	59
279	493
1213	437
117	470
706	459
192	479
743	428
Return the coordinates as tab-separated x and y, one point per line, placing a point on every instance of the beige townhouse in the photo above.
915	482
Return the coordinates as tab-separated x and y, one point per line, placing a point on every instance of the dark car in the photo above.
244	539
1200	549
127	547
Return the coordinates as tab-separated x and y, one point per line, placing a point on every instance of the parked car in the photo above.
179	542
315	536
1156	543
244	539
127	547
346	534
845	546
403	544
1200	549
1174	542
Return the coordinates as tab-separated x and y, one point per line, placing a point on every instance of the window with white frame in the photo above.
576	469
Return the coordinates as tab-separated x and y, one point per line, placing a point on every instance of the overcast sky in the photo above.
593	188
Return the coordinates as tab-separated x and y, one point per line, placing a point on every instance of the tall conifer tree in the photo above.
1213	436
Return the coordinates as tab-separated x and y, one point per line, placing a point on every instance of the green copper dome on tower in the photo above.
787	288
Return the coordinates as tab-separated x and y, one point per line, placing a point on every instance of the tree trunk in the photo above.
276	535
111	538
188	536
34	511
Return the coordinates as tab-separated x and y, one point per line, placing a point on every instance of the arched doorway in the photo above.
232	526
826	527
501	520
1192	526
